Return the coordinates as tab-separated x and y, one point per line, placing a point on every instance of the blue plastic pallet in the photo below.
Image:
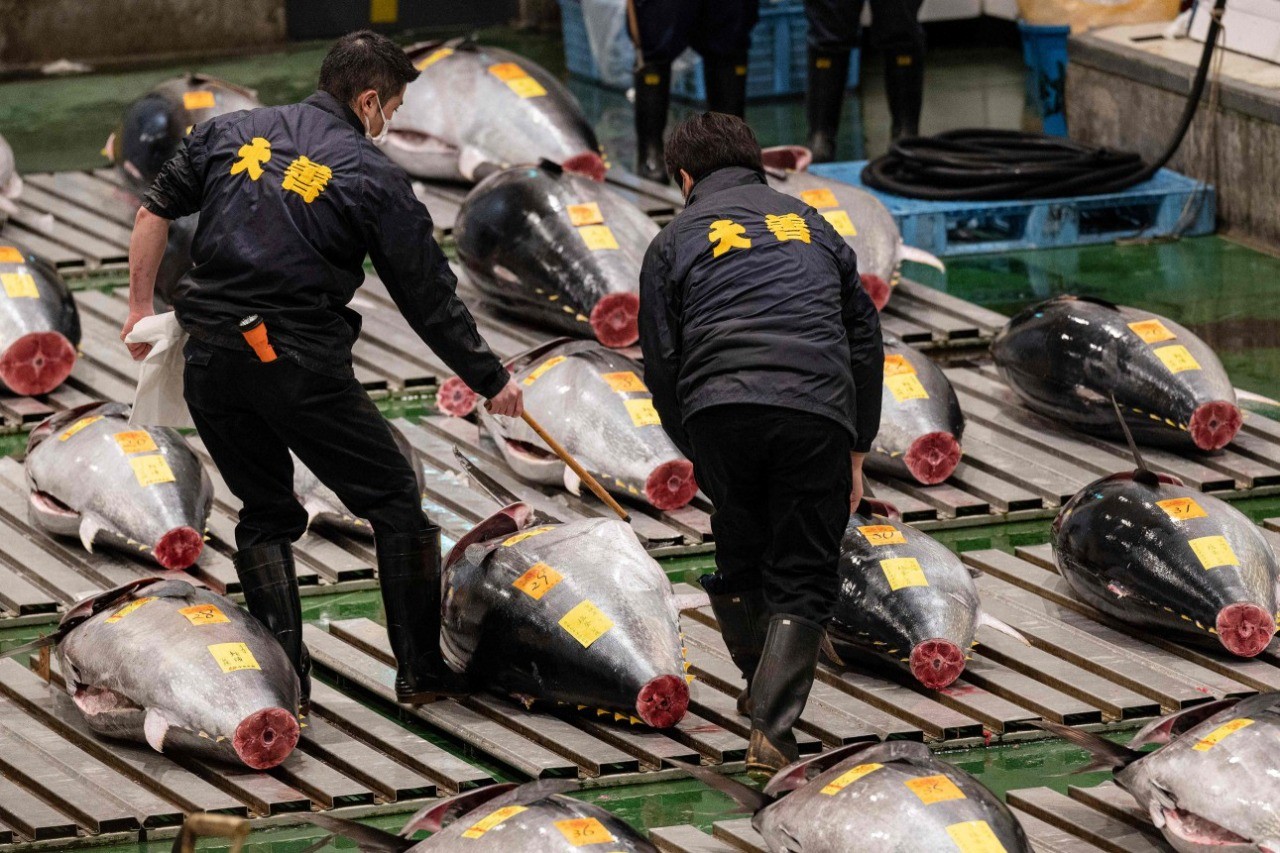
776	66
950	228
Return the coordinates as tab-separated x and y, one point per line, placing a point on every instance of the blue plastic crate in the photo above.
777	64
949	228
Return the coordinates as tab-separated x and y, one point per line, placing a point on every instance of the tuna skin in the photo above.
141	670
1124	554
39	324
919	438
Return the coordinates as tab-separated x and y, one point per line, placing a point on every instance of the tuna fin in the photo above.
1250	397
33	646
316	508
920	256
870	507
366	837
155	727
1143	475
1094	300
742	794
797	773
692	600
995	624
1269	845
1165	729
434	817
829	649
90	527
572	482
1106	755
471	160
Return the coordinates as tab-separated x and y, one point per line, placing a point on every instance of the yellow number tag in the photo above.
19	285
903	572
538	581
583	831
1219	734
129	608
585	623
198	100
598	237
1214	551
1177	359
536	373
10	255
975	836
491	820
625	382
523	535
841	222
847	778
135	441
1152	331
934	789
79	425
151	470
819	198
883	534
1180	509
642	413
434	57
585	214
897	365
905	386
233	657
508	71
204	614
526	87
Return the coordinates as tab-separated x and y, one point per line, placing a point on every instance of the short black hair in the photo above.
702	144
366	60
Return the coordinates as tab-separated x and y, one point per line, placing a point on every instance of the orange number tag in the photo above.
538	581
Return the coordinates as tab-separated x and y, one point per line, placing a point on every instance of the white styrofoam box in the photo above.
1252	26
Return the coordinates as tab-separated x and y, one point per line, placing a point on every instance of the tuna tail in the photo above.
368	838
1143	475
1165	729
1106	755
744	795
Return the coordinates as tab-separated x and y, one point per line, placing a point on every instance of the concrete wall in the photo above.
39	31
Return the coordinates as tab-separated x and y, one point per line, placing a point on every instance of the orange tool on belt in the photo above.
255	333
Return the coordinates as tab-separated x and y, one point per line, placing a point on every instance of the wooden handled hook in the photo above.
585	477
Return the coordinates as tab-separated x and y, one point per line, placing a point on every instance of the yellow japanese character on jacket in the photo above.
306	178
252	157
727	234
788	227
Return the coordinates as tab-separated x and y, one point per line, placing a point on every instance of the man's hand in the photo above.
509	401
138	351
855	496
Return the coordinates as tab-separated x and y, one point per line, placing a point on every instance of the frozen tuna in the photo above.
10	182
1066	358
576	614
94	475
39	324
558	250
593	401
920	422
475	108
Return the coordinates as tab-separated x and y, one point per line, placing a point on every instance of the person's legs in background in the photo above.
901	37
660	30
833	34
722	38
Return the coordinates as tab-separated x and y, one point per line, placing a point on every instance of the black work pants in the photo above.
780	481
833	25
719	30
250	414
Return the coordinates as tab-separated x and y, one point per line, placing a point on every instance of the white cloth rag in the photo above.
158	400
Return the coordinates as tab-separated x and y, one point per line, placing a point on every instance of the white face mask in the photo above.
368	126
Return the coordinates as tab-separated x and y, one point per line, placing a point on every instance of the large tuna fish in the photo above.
1144	548
180	668
593	401
10	182
1066	357
857	215
558	250
474	108
906	596
1215	786
920	422
39	325
535	817
891	796
573	613
140	489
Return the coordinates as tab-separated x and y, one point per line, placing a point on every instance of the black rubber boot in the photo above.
726	82
744	622
270	585
653	98
904	86
409	572
824	98
780	690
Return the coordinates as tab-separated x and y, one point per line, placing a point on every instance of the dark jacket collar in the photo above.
723	179
333	106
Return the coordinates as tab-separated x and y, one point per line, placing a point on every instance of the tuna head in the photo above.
577	614
140	489
184	670
1162	556
906	596
475	108
556	249
1066	357
593	401
39	325
921	424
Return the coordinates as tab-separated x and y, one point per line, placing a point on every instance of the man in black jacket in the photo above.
291	199
765	359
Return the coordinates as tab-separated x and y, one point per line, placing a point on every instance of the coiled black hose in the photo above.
1008	164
